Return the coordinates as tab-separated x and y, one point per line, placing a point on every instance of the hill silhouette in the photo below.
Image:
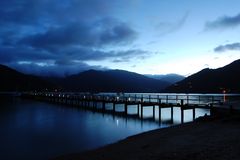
12	80
111	81
88	81
206	81
211	81
170	78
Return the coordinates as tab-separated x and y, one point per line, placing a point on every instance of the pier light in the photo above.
224	95
84	97
129	99
117	98
59	95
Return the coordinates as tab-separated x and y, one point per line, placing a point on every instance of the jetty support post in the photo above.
182	115
114	107
159	113
194	111
103	106
125	108
182	110
154	112
138	109
211	109
141	111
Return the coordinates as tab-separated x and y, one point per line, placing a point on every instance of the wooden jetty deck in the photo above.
140	101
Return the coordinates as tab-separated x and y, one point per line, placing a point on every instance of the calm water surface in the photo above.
39	130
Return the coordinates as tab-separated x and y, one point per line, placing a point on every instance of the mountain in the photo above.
89	81
170	78
111	81
211	81
12	80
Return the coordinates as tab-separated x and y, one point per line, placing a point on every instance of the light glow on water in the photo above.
30	128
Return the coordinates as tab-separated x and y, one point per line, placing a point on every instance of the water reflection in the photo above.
37	130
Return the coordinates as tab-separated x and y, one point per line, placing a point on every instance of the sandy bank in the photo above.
214	138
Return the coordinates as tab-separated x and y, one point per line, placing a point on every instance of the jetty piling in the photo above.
93	101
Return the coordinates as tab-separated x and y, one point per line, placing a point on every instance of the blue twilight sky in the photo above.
62	37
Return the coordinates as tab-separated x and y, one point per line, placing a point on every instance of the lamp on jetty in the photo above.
224	95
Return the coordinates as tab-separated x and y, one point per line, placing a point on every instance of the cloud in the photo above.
16	53
128	55
59	70
224	22
81	34
68	61
222	48
39	62
37	12
59	37
117	33
87	54
171	27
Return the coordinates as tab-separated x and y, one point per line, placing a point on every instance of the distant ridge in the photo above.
112	81
226	79
170	78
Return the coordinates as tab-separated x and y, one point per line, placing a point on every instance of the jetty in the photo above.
98	102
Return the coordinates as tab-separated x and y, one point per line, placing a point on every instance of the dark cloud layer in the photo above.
222	48
80	34
60	36
54	11
224	22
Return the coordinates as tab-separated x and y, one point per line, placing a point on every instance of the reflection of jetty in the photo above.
98	102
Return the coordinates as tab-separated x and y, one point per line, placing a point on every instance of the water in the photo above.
39	130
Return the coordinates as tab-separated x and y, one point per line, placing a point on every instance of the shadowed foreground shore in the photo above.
215	138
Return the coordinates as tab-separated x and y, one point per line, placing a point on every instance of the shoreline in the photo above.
206	138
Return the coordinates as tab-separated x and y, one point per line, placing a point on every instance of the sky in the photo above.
64	37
